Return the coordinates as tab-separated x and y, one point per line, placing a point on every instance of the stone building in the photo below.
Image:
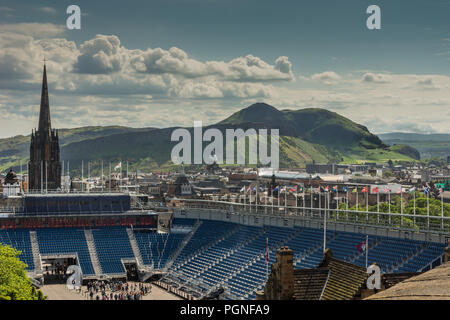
332	279
44	167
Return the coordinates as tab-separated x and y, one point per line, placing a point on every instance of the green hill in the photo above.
306	135
428	145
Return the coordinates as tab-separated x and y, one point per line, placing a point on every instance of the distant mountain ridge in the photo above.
306	135
428	145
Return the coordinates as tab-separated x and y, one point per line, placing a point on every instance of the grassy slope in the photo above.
306	135
429	145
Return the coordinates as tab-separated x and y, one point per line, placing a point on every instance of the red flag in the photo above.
375	190
361	246
364	189
267	250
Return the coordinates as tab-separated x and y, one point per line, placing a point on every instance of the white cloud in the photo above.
37	30
6	9
327	77
48	10
100	55
376	78
102	82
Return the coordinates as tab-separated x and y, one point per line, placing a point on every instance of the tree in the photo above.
434	192
14	281
390	163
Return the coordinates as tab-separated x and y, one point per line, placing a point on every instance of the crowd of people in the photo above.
117	290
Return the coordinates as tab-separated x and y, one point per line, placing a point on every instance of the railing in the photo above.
397	221
106	191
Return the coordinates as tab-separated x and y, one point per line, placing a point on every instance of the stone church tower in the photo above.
44	168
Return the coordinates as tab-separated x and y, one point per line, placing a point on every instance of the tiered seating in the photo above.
157	248
345	245
19	239
198	264
184	222
302	243
389	252
206	234
65	241
249	279
112	245
424	258
222	253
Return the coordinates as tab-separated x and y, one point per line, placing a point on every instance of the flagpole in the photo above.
62	170
442	208
428	209
367	204
401	205
110	182
304	202
285	200
320	202
256	199
28	176
89	174
367	198
68	171
389	200
327	212
267	258
414	195
367	250
346	214
337	202
42	176
21	176
378	205
265	204
102	176
245	198
271	192
324	231
278	196
311	199
82	174
46	180
250	199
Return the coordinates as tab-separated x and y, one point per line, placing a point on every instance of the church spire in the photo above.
44	114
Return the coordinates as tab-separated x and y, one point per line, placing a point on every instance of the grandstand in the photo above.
213	253
208	245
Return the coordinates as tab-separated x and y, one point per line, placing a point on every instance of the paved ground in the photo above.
60	292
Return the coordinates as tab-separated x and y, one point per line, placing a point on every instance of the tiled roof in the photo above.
431	285
309	283
345	279
391	279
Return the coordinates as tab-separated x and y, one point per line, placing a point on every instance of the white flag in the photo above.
119	166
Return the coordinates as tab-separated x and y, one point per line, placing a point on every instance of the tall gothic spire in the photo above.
44	115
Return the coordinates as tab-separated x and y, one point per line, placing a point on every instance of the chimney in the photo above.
286	273
447	253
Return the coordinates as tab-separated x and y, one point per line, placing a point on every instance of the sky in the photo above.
164	63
